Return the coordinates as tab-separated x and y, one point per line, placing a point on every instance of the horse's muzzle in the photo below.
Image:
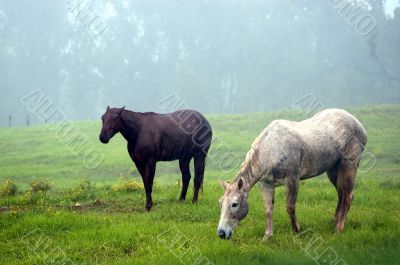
223	235
103	139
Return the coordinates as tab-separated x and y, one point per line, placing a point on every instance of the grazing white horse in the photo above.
286	152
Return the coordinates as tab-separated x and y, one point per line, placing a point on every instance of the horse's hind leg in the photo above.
199	165
345	183
292	187
185	170
332	175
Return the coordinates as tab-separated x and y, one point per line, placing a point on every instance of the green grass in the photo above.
89	217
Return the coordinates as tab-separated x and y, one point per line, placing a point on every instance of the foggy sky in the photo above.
215	56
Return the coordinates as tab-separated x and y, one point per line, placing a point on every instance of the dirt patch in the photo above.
87	206
108	207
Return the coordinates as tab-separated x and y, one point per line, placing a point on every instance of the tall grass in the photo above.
53	210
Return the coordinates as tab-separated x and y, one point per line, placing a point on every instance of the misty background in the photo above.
222	56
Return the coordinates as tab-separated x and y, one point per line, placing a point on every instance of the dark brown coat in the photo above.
152	137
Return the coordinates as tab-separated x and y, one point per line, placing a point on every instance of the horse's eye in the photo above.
235	204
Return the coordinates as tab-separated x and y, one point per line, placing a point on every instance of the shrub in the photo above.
127	185
40	185
38	197
83	191
8	188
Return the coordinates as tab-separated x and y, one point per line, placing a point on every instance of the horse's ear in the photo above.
223	183
108	108
240	184
121	110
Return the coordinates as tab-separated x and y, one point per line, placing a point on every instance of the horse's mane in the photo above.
250	167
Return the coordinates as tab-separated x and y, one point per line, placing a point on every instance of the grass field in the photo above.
97	216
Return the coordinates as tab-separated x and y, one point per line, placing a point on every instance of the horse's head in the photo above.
111	123
234	207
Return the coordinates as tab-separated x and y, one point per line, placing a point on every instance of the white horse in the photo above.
286	152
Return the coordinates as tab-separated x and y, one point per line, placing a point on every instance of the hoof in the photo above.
266	238
296	229
148	206
339	228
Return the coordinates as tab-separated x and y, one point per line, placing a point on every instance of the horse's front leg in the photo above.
268	194
292	187
147	171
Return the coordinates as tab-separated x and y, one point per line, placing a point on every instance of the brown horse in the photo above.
152	137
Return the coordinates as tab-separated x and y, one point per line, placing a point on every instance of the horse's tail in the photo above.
201	186
202	180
